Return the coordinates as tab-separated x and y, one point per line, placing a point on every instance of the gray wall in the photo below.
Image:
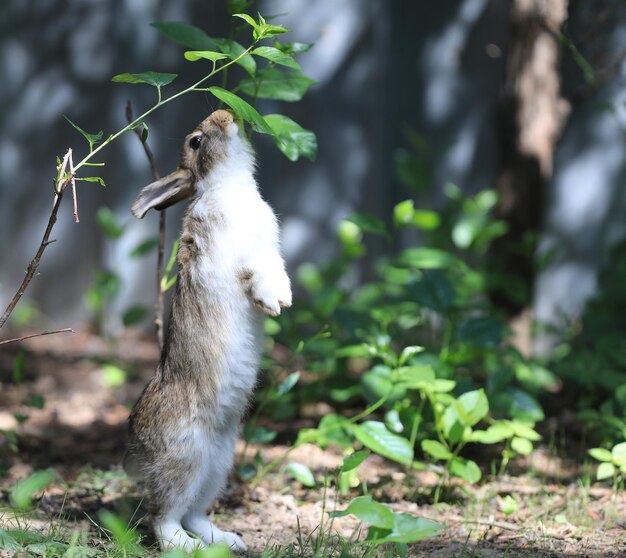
381	66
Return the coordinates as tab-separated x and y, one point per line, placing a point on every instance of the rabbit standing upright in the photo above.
231	274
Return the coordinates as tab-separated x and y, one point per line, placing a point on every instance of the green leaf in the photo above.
134	314
522	446
509	505
523	430
194	55
293	48
332	430
34	400
92	179
523	406
619	453
24	491
453	425
301	473
436	449
47	548
362	350
156	79
428	258
113	376
475	406
237	6
353	460
405	214
497	432
421	376
186	35
19	362
91	138
291	138
249	19
272	83
234	51
409	352
258	434
276	56
393	422
242	109
368	511
8	542
406	529
266	30
434	290
108	223
144	247
605	471
485	333
368	223
272	327
375	436
376	385
425	219
289	382
465	469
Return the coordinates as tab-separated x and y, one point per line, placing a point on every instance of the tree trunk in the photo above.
531	115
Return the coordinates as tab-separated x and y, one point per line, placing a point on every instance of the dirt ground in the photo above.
80	433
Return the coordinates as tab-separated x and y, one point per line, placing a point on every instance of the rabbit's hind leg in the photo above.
219	461
176	485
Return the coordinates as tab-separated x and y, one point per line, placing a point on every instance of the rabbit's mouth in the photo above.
176	186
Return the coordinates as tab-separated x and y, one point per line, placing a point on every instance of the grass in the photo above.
551	520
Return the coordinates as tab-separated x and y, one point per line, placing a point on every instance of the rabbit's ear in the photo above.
167	191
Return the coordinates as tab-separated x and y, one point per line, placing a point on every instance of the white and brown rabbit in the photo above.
231	274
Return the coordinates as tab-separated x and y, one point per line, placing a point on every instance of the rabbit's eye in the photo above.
195	142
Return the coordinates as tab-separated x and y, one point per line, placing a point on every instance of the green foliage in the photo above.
301	473
612	463
25	490
592	362
386	526
418	348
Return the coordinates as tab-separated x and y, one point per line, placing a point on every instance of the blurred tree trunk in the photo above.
531	115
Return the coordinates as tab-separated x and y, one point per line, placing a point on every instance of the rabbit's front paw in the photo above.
271	299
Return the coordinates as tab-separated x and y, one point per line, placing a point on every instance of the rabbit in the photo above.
183	428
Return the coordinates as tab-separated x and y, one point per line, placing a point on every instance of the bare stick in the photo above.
16	339
34	264
158	306
73	178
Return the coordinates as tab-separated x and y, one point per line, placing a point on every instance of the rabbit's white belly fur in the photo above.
246	240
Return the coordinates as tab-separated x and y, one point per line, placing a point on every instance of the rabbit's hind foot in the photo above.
171	534
200	525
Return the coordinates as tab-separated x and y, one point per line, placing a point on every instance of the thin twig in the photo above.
159	304
16	339
45	241
73	180
482	522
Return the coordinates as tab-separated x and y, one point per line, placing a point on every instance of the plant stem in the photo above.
34	264
16	339
159	304
159	104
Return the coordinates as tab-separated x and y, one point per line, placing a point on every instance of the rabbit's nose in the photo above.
222	118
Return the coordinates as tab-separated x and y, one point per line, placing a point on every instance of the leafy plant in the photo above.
612	463
420	346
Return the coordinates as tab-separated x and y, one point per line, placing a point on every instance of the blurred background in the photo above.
412	101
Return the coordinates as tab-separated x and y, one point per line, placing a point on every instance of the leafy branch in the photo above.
293	140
